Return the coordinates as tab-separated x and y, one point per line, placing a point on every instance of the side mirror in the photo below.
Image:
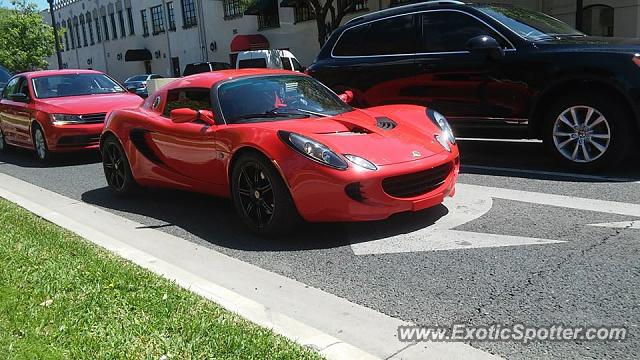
186	115
485	44
346	96
19	97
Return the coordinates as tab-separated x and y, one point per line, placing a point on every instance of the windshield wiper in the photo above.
270	115
312	113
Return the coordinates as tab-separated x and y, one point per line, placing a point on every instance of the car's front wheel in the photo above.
40	144
588	132
116	167
261	197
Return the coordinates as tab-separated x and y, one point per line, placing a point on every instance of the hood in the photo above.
369	135
592	43
91	104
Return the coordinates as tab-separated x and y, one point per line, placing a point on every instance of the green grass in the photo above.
64	298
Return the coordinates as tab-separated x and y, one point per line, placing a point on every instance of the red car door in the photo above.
188	149
16	112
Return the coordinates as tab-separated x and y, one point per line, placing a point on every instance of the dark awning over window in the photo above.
259	7
249	42
137	55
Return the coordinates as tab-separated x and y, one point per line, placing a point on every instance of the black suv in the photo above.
491	65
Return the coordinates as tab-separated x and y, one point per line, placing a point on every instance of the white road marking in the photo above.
620	225
470	203
553	173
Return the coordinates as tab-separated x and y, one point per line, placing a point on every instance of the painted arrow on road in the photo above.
433	230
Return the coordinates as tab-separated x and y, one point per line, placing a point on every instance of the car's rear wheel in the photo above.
588	132
116	167
40	144
261	197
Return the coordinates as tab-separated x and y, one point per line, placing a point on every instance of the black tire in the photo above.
4	147
261	197
581	147
40	144
117	170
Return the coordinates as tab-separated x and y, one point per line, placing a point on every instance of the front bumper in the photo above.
320	194
63	138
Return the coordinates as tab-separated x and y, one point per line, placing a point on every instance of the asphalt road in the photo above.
591	278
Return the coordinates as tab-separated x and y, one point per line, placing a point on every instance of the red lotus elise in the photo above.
58	110
282	146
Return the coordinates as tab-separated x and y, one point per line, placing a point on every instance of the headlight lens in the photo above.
444	142
62	119
441	122
313	150
363	163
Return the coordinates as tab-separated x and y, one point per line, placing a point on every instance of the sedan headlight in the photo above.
63	119
313	150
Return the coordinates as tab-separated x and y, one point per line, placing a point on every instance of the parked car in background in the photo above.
138	84
282	146
197	68
491	66
58	110
4	76
268	59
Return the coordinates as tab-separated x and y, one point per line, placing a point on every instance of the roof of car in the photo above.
41	73
404	8
208	79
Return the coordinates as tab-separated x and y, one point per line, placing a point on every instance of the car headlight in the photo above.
363	163
313	150
63	119
441	122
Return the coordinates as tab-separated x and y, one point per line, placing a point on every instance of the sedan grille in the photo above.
93	118
410	185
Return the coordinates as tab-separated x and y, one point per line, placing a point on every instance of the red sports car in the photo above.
58	110
282	146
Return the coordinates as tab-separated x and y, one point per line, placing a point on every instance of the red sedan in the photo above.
282	146
58	111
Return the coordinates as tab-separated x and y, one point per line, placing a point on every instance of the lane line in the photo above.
339	329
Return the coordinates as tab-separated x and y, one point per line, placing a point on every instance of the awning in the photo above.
137	55
259	7
249	42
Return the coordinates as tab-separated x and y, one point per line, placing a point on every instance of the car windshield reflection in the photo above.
54	86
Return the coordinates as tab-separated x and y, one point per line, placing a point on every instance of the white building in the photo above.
128	37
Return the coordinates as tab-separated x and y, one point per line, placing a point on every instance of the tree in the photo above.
25	39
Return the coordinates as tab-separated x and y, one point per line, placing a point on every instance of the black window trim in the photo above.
511	48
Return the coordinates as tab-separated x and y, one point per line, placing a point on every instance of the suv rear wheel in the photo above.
588	131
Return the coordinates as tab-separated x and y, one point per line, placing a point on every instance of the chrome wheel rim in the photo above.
41	147
581	134
113	164
255	193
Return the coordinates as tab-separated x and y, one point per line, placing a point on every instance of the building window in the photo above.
269	18
66	35
73	39
145	24
132	30
232	9
189	14
84	32
114	30
303	12
123	31
157	20
171	16
76	30
90	26
354	5
98	32
598	20
106	28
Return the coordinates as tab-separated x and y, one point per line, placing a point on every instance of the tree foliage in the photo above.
25	39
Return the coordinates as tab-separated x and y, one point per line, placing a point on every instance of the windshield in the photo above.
531	25
137	78
4	75
270	98
74	85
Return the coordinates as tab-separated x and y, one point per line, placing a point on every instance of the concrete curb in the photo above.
335	327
